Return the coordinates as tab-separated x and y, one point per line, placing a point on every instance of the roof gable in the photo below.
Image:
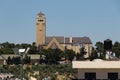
54	43
60	39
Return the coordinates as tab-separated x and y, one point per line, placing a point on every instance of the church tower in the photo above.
40	29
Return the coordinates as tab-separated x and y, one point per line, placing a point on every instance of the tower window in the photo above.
40	20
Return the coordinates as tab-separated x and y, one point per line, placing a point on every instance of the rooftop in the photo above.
62	39
96	64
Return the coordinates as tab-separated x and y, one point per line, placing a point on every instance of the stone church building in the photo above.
60	42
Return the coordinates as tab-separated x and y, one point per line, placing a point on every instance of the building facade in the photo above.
60	42
97	69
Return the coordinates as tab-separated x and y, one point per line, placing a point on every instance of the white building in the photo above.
97	69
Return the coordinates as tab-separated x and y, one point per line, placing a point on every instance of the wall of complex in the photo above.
88	48
100	73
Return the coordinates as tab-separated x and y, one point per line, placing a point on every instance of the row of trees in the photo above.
98	50
17	60
6	48
54	55
46	56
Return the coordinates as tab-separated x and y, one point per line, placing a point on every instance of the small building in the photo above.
97	69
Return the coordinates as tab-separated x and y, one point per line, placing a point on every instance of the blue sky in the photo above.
97	19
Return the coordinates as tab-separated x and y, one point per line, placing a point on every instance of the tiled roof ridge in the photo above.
62	39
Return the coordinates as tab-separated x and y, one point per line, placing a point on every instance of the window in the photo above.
112	76
90	76
40	20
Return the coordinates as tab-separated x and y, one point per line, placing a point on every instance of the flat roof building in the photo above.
97	69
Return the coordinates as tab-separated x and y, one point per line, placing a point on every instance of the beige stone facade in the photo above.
101	74
100	68
60	42
40	29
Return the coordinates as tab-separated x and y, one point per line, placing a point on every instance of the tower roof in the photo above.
41	14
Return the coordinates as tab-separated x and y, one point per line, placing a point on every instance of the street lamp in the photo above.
21	52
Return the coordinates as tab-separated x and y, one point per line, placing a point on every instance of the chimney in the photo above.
70	40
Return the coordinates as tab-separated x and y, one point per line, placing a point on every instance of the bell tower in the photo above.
40	29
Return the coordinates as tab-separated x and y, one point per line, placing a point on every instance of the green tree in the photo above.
57	54
99	50
99	47
116	48
7	48
9	60
94	54
33	49
69	54
52	55
25	45
8	45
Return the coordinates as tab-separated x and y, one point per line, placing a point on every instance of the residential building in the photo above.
97	69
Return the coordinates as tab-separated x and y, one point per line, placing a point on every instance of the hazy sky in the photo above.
97	19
